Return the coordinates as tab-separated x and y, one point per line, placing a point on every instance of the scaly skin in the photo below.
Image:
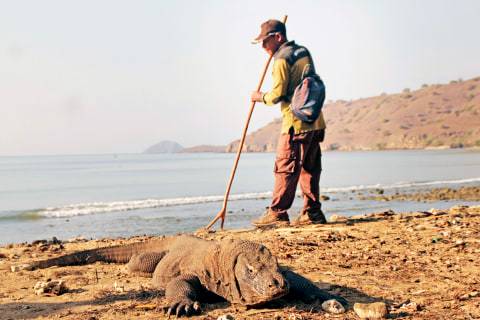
189	268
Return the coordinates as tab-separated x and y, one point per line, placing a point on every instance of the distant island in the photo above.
165	146
204	148
168	146
434	116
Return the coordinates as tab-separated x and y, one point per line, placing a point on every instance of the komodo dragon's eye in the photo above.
251	269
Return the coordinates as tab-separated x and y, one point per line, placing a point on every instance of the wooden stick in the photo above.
222	213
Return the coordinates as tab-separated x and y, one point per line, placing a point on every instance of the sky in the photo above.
112	76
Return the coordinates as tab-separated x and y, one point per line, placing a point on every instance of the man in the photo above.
298	157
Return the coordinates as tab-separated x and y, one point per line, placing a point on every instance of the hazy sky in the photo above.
117	76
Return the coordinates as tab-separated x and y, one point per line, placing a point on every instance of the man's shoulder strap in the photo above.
291	52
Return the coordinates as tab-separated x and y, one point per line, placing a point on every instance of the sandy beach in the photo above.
423	265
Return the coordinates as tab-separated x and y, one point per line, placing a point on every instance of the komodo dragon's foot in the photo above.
185	307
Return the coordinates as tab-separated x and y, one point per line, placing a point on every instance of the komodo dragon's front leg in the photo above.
183	293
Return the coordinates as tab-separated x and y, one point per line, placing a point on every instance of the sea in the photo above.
120	195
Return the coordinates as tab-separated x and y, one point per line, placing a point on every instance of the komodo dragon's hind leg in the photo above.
145	263
305	290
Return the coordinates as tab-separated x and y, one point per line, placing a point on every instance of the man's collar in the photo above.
284	45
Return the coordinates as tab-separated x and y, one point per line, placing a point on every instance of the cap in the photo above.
269	28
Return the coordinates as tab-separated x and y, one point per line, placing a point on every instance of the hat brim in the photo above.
260	38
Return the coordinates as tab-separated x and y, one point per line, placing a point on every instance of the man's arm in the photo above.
280	85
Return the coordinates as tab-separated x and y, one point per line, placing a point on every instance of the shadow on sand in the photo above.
31	310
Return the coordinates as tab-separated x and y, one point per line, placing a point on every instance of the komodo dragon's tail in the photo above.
118	254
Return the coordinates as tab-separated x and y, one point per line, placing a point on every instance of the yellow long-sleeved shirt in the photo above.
290	61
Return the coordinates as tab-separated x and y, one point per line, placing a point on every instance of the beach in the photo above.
407	237
423	265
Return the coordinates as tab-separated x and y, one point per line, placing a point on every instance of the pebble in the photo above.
337	218
420	228
19	267
226	317
333	306
376	310
118	287
437	212
77	239
52	287
446	234
469	295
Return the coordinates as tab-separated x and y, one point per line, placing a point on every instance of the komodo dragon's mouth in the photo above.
260	300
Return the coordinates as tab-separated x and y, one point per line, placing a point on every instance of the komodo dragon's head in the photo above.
256	277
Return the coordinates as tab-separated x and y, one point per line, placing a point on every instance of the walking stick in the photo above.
222	213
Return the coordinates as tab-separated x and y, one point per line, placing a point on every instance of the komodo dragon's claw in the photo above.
185	307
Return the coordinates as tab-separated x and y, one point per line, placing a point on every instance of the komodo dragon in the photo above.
190	269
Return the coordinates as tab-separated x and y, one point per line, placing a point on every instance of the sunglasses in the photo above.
268	36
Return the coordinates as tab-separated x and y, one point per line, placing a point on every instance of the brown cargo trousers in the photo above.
299	158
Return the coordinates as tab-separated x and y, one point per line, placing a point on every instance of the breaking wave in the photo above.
117	206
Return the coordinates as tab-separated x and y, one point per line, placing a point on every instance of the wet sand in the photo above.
423	265
470	193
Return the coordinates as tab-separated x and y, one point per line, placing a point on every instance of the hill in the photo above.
434	116
204	148
165	146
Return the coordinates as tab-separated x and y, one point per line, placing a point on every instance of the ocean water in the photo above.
134	194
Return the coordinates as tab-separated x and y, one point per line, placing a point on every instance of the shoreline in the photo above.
30	226
423	265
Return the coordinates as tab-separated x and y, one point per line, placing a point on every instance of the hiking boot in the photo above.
310	217
272	218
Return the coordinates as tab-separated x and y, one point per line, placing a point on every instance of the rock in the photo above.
14	256
459	207
446	234
419	228
324	198
469	295
376	310
118	287
420	214
77	239
19	267
358	217
333	306
226	317
337	218
37	242
437	212
411	306
436	239
52	287
55	241
387	213
15	268
3	256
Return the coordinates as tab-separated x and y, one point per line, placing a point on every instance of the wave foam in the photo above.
116	206
105	207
